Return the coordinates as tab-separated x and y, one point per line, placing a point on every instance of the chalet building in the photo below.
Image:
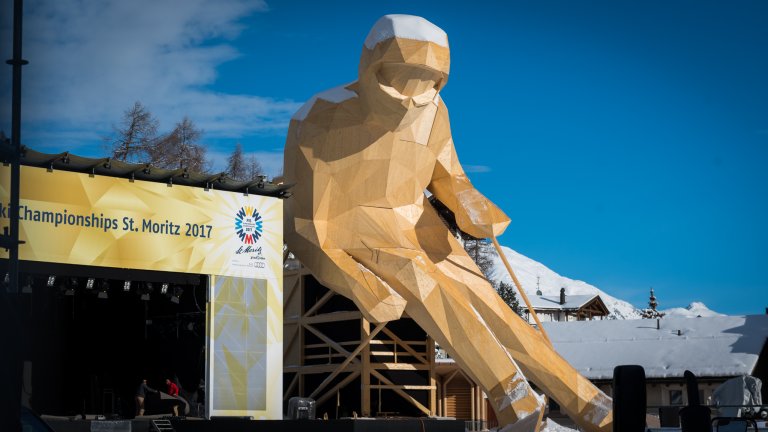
566	307
715	349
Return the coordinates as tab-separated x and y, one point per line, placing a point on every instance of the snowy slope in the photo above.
550	282
693	310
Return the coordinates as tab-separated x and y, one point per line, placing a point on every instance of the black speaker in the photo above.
301	408
629	400
694	417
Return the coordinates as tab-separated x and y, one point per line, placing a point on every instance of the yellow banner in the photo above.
74	218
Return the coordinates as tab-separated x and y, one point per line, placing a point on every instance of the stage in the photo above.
241	425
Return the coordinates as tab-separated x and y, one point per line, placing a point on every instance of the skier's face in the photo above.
402	80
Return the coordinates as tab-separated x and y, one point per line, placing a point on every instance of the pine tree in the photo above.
509	295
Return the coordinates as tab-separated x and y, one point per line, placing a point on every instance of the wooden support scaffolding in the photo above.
324	362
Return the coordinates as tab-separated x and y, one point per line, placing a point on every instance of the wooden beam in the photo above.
290	387
365	373
402	393
291	340
432	378
332	392
324	345
317	369
322	356
386	342
332	317
350	358
407	347
289	287
328	340
403	387
399	366
318	304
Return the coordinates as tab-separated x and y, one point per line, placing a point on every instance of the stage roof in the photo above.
146	172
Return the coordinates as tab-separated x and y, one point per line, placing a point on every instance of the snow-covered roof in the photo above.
718	346
572	302
405	27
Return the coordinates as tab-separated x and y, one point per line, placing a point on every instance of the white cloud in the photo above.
90	60
477	168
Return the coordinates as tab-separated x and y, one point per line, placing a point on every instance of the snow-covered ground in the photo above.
549	426
527	271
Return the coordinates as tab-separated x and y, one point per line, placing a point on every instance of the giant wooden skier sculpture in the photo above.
361	156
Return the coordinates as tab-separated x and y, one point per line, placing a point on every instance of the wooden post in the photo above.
365	373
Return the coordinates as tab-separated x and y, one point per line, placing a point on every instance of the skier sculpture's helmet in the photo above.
406	56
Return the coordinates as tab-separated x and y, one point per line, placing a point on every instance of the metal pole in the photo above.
10	411
16	62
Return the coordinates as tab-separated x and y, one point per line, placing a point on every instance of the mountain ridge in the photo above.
533	274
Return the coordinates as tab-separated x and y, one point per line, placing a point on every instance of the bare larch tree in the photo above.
133	139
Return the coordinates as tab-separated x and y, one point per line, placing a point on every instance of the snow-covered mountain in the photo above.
550	283
527	270
693	310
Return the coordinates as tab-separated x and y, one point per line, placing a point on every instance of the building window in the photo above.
675	397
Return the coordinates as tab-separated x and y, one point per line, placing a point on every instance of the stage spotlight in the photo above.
146	290
27	289
164	288
69	290
127	285
89	283
103	290
51	280
177	292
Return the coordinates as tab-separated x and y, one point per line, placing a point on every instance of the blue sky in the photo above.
628	141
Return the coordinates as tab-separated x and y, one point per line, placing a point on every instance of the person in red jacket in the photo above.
173	390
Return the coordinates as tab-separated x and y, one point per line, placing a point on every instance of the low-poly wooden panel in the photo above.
361	156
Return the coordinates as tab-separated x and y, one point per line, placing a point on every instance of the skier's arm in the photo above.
475	214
